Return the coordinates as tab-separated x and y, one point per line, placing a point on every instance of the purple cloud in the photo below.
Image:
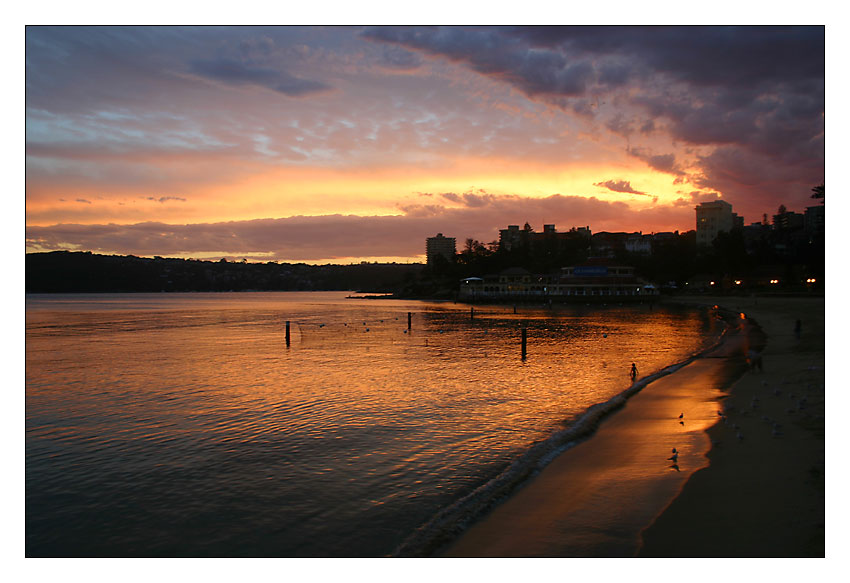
234	72
756	89
662	162
619	186
324	238
163	199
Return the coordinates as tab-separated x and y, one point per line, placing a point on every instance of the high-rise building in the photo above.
512	238
712	218
815	220
440	246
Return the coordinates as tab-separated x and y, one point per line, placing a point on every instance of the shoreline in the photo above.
733	507
451	522
600	497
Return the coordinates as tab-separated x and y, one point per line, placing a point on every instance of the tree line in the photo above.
85	272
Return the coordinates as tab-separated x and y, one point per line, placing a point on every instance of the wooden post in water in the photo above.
524	342
287	333
408	320
472	312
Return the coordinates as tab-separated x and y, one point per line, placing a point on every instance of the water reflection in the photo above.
180	425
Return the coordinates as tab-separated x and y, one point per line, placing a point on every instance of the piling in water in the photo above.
408	320
524	342
287	333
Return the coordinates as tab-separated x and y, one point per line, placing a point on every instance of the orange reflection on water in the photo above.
623	475
360	411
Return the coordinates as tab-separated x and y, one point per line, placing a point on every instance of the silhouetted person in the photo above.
633	373
754	359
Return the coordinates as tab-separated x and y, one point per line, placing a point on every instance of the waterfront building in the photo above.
597	279
440	246
712	218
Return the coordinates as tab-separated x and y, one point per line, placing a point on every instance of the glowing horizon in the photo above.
361	142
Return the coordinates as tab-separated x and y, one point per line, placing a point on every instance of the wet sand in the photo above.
763	495
597	499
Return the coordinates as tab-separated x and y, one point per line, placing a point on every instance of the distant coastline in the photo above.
83	272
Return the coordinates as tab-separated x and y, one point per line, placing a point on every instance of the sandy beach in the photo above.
763	495
746	480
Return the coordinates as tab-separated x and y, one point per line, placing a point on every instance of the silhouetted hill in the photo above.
78	272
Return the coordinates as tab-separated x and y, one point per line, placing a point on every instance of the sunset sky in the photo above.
341	144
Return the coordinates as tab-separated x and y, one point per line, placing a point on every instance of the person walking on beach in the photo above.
754	360
633	373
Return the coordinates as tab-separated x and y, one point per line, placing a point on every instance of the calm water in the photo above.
181	425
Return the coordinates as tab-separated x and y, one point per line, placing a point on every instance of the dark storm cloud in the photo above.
661	162
745	56
619	186
541	59
759	89
492	53
480	216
